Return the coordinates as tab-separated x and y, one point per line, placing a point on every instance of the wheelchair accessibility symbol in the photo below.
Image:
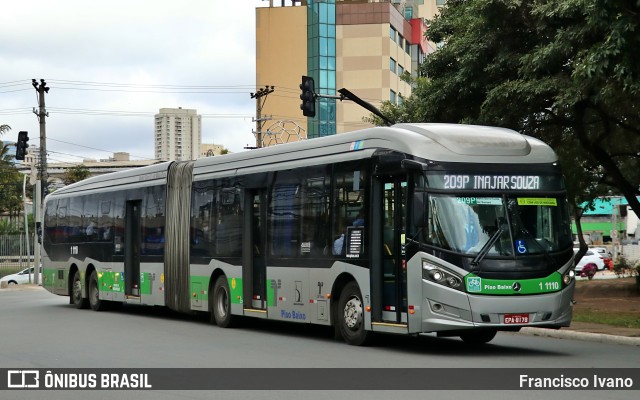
521	247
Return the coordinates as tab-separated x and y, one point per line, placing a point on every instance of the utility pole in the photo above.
42	114
261	98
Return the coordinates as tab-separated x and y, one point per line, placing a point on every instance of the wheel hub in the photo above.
353	313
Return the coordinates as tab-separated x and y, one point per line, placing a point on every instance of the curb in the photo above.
586	336
24	286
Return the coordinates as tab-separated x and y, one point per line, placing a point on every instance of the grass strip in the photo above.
626	320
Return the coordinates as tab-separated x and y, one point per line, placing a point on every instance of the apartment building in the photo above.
363	46
178	134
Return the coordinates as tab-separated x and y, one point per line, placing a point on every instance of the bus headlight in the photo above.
440	275
568	277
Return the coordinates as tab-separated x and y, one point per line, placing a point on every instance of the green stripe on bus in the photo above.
548	284
235	285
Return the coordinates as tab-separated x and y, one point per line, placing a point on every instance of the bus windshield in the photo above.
511	225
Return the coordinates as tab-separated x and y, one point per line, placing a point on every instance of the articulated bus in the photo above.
416	228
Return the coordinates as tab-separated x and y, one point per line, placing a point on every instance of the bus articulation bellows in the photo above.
455	229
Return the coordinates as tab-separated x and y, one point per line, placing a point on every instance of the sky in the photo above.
111	65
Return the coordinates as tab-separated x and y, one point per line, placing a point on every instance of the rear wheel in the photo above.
76	292
351	316
94	294
220	300
479	337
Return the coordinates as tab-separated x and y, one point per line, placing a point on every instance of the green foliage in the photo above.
11	180
566	72
76	174
623	267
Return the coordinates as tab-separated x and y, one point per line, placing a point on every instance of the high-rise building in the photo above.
178	134
363	46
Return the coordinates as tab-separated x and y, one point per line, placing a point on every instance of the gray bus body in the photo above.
454	229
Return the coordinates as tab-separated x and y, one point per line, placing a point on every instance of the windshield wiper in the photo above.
487	246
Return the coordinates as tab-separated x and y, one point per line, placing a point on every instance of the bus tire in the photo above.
221	303
76	292
350	316
94	294
479	337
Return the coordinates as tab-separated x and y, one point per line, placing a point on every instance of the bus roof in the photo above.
435	142
430	141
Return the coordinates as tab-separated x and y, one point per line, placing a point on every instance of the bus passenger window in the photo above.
315	238
349	205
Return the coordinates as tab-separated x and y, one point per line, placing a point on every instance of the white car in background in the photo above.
590	257
19	278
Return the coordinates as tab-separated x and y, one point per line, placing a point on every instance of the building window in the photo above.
392	33
400	101
401	41
407	47
400	70
392	65
392	97
440	2
408	13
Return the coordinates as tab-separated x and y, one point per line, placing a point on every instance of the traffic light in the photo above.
22	144
308	97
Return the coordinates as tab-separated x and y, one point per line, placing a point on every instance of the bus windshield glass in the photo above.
511	225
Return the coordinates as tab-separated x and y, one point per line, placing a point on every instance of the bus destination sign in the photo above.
493	182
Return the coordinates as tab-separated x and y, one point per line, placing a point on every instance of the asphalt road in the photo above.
41	330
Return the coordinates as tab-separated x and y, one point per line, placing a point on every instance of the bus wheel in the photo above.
221	303
351	316
94	293
76	292
479	337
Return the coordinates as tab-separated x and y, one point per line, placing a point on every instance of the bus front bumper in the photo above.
445	309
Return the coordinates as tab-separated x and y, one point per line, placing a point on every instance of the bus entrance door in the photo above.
255	229
394	280
132	249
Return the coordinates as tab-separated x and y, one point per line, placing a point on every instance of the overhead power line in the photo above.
94	148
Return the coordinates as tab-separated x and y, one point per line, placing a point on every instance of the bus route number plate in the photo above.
516	318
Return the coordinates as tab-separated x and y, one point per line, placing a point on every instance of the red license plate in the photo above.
516	318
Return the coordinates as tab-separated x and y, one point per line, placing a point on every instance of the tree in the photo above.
10	180
76	174
566	72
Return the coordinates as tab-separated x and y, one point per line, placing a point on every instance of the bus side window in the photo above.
315	238
118	223
349	203
285	214
76	231
62	222
228	229
50	222
90	218
203	218
153	221
105	221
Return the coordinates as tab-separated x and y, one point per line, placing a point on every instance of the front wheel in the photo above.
94	294
479	337
221	303
76	292
351	316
